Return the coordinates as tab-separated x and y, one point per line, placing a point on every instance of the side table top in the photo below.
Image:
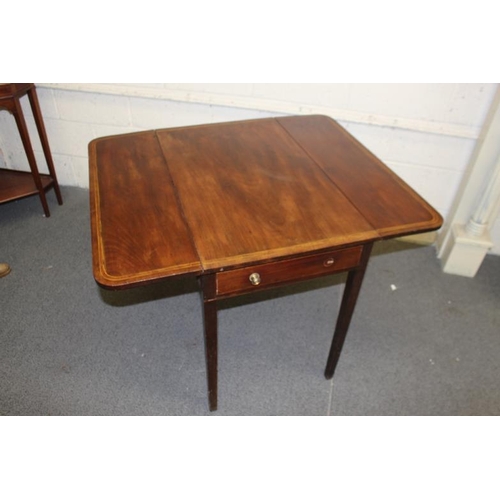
205	198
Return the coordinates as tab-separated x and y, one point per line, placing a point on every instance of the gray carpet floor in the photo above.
421	342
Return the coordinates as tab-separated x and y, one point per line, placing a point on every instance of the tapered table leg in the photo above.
210	330
37	114
351	292
25	138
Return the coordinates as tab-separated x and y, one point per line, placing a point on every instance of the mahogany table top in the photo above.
208	198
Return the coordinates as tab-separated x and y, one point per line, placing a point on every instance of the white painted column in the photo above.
478	223
465	239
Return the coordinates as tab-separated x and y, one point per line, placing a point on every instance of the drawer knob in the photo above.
254	279
329	262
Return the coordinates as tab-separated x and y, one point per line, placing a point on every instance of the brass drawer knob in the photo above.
329	262
254	278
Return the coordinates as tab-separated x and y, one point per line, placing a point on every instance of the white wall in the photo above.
425	132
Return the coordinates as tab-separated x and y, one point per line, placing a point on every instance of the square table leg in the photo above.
210	331
349	298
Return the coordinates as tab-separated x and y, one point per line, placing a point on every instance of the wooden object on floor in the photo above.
245	206
17	184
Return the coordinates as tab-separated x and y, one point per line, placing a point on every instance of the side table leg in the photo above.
210	332
351	292
23	131
37	114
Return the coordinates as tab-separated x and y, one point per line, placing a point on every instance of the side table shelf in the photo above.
15	184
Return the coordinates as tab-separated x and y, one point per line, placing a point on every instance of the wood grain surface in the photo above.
250	192
385	201
139	233
211	198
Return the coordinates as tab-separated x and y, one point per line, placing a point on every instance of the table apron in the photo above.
261	276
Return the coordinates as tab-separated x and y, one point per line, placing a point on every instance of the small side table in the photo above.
15	184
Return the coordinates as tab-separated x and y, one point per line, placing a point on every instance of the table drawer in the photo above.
252	278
